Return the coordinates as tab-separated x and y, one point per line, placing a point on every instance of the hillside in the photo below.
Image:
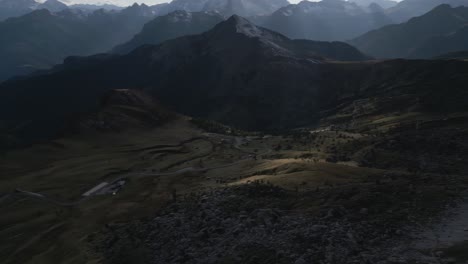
404	40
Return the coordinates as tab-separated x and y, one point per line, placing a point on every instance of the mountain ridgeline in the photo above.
45	37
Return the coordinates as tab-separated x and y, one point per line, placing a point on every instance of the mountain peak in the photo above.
442	7
53	5
236	19
242	26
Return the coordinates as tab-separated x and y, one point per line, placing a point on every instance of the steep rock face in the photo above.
173	25
326	20
237	73
404	40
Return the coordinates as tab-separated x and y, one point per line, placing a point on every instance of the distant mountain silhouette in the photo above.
422	37
173	25
237	73
42	39
408	9
325	20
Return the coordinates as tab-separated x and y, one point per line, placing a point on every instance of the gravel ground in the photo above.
257	223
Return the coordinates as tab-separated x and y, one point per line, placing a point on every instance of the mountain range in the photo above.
440	31
237	73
